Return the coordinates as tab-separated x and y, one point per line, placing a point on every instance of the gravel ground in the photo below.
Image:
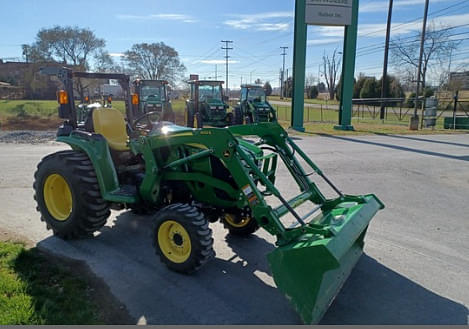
27	136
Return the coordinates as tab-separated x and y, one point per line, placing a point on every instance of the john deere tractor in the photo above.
190	178
206	106
152	96
253	106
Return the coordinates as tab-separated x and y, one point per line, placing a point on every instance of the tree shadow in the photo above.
397	147
419	139
236	287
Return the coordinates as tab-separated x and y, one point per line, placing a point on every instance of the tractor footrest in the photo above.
125	194
126	190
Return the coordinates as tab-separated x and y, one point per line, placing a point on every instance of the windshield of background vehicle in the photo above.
256	95
153	91
209	92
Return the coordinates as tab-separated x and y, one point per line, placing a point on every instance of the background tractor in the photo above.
152	96
189	178
206	105
253	106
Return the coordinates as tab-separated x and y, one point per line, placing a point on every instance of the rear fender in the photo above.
97	149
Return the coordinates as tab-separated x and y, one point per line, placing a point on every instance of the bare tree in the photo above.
331	66
438	48
155	61
310	80
68	45
103	62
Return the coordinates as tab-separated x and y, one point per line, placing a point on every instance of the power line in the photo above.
419	70
284	53
398	26
227	48
385	64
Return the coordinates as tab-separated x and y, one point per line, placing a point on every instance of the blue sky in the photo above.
258	29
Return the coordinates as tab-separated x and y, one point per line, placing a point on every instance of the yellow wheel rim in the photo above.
174	241
58	197
231	220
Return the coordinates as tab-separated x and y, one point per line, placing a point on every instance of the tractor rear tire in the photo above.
68	195
229	119
189	118
198	120
238	116
182	238
244	227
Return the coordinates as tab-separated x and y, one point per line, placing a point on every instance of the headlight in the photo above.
220	107
213	107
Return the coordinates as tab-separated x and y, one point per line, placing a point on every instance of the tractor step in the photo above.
125	194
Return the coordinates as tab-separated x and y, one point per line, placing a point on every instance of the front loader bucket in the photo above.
312	268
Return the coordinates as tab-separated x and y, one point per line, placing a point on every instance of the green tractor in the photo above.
253	106
190	178
152	96
206	105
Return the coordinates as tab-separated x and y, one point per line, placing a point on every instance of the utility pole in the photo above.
414	121
227	48
216	72
284	53
385	65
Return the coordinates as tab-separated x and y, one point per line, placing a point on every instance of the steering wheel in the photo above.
149	123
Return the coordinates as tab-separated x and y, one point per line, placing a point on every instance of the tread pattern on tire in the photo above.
238	116
90	210
197	226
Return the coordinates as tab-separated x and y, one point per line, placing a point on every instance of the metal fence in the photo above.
396	110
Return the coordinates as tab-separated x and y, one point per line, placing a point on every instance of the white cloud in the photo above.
324	41
273	27
216	61
261	21
382	6
116	54
169	17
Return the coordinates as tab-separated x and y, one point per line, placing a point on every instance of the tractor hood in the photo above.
153	101
260	104
215	102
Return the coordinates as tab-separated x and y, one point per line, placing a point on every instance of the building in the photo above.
26	76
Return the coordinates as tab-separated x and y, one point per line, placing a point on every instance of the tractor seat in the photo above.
111	124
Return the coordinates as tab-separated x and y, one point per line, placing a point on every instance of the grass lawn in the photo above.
34	290
41	115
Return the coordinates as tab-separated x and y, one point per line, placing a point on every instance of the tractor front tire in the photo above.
240	226
68	196
238	116
182	238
